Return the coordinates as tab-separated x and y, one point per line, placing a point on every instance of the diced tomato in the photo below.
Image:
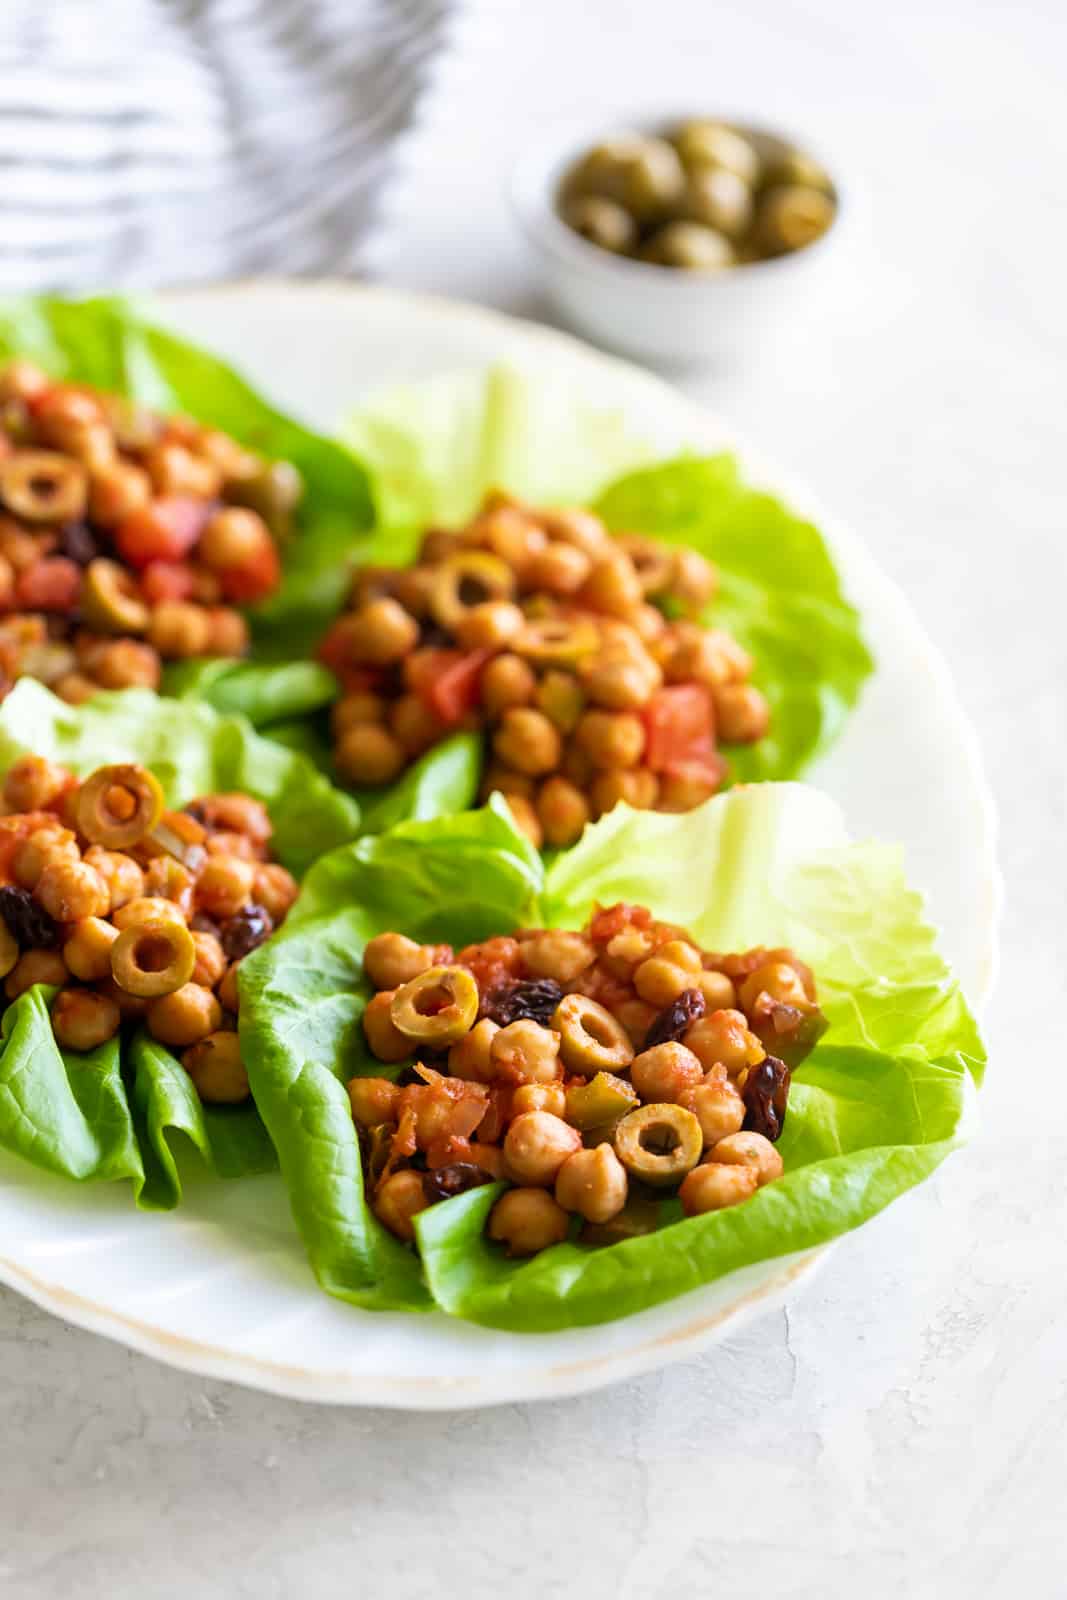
493	962
678	726
255	579
166	530
53	584
449	682
497	1113
441	1152
167	580
611	920
13	830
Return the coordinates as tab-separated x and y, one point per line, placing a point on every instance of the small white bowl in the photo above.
661	314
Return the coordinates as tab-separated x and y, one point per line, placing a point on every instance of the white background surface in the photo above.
901	1429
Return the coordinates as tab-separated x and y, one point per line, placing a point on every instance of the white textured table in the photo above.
901	1429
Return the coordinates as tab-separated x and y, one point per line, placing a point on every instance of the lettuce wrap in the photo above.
884	1097
108	344
115	1112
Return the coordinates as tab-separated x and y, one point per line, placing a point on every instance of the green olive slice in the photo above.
109	599
153	958
599	1103
659	1143
591	1039
653	564
118	805
43	486
557	641
436	1008
466	579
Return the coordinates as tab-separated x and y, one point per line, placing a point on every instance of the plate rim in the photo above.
569	1378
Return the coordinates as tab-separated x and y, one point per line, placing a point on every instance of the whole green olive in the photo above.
712	144
690	246
792	166
719	199
792	216
644	176
603	222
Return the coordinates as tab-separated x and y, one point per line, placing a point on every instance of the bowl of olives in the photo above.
676	239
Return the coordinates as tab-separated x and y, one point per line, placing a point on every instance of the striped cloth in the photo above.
152	142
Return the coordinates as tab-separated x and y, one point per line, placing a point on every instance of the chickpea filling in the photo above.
135	913
127	538
587	661
596	1073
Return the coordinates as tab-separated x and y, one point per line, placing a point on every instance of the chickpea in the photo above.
415	726
636	787
537	1144
178	629
556	954
226	988
383	1036
390	959
32	783
184	1017
127	664
561	699
716	1105
383	632
717	990
87	951
275	889
621	683
527	741
471	1056
75	688
613	586
526	819
368	754
228	633
636	1016
724	1037
557	569
742	714
593	1183
577	767
373	1100
82	1020
398	1201
625	952
507	681
694	579
35	966
698	658
120	872
681	953
490	625
689	785
436	544
550	1097
527	1221
167	879
489	1157
713	1187
233	537
509	532
240	814
147	909
413	588
216	1068
44	847
611	738
507	780
750	1150
775	978
23	380
583	529
665	1072
660	982
650	624
232	844
224	886
175	470
524	1052
355	708
211	960
563	811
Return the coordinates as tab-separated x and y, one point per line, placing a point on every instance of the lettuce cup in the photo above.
538	1096
146	848
161	521
574	621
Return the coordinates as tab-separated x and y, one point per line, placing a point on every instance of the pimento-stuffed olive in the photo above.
591	1070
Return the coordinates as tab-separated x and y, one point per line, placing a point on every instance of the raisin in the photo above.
766	1094
197	810
28	923
199	923
443	1182
76	542
674	1019
245	930
536	998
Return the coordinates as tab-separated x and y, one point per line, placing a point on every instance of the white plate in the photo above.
222	1287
